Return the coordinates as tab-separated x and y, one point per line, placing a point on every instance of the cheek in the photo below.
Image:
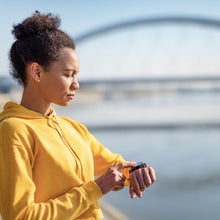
58	83
50	87
64	83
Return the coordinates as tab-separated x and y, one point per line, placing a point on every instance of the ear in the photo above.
35	71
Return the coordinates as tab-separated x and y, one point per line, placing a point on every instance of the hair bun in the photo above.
36	25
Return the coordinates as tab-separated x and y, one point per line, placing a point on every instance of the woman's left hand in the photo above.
140	179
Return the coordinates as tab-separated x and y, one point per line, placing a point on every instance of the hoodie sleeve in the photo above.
17	188
103	157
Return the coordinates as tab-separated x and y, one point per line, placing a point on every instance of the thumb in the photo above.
124	165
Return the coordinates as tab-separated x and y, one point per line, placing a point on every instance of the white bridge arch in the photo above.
152	48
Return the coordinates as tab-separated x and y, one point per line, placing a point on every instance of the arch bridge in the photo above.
149	21
183	20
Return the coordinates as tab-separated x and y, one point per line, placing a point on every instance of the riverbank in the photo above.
192	110
3	100
111	213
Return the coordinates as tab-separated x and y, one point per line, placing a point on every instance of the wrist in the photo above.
138	166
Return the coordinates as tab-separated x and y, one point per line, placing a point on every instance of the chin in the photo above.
63	104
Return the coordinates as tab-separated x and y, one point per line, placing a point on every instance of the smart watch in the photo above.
137	166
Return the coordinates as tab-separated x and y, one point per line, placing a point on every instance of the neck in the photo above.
32	102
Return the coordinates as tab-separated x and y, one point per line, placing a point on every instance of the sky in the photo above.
79	16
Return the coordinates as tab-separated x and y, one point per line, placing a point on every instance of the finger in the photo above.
140	175
135	185
152	174
124	165
118	187
147	178
132	193
120	177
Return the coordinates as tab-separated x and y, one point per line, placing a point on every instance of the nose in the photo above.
74	85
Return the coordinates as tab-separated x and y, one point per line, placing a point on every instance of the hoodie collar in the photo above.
12	109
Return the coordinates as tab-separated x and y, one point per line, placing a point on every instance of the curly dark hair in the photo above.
38	40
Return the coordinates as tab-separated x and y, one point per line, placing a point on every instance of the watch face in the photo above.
138	165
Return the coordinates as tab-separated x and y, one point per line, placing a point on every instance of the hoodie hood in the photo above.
12	109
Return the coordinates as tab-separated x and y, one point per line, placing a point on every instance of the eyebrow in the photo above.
70	70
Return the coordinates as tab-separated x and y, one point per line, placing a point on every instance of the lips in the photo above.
70	96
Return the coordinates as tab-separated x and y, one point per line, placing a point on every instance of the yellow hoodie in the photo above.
47	167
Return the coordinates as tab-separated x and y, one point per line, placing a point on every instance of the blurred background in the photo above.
150	90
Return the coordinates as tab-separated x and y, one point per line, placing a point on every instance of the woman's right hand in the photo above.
113	179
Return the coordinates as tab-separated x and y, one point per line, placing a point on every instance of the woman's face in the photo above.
59	83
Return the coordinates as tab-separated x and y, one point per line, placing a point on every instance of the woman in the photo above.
48	163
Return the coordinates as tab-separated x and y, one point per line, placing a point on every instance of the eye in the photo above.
67	74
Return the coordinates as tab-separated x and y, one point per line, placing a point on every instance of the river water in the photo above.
187	165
